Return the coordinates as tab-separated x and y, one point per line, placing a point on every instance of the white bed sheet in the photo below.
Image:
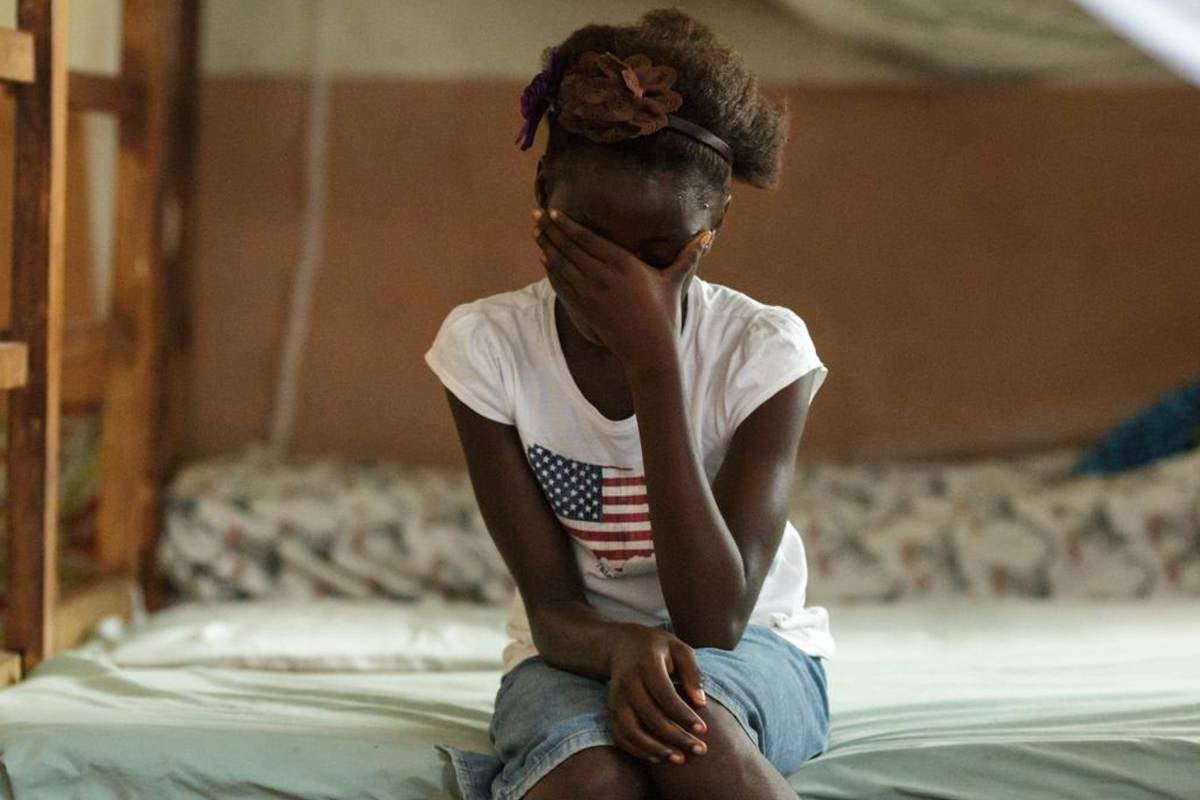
328	635
969	700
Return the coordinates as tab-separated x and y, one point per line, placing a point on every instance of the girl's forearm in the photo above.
574	636
700	567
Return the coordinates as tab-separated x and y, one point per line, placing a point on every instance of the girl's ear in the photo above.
725	210
539	184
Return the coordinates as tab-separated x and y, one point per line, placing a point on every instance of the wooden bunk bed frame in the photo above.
131	363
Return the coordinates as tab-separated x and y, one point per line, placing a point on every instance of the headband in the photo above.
608	99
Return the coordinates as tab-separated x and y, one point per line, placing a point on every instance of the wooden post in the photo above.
178	250
128	503
37	314
179	197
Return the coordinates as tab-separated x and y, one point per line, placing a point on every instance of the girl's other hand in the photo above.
632	306
648	717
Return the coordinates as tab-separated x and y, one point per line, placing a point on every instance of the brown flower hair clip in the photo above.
608	99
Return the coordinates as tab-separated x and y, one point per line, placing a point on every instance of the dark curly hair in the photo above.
719	93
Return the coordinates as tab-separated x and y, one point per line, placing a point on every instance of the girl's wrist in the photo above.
651	360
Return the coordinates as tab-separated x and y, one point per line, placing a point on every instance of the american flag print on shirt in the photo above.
603	507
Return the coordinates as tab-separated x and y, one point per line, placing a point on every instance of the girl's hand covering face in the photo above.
630	305
648	716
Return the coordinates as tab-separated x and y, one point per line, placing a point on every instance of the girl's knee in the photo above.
730	756
603	773
724	729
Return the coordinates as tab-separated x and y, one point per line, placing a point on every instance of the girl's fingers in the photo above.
657	723
625	722
686	666
591	242
578	256
624	744
689	257
558	267
561	287
659	685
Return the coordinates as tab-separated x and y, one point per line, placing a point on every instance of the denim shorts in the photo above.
544	715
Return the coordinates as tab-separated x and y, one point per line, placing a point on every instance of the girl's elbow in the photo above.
724	636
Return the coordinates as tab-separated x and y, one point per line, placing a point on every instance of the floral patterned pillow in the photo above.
1026	527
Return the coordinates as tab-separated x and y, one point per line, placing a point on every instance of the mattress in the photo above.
939	699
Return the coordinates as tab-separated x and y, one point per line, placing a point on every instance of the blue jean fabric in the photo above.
544	715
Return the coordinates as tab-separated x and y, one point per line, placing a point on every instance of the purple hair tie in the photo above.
538	95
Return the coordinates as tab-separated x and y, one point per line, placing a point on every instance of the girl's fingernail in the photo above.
700	697
697	749
698	727
554	213
655	759
677	758
537	213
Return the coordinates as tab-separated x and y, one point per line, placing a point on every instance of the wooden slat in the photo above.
14	359
116	95
179	191
128	508
10	668
85	364
16	56
76	613
79	302
37	308
8	125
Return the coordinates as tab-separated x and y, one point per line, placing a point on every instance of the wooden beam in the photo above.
14	360
85	364
10	668
79	611
179	196
109	93
16	56
39	210
128	506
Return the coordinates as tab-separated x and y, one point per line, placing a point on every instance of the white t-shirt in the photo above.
502	357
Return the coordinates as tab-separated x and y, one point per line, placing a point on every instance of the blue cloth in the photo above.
1170	426
544	715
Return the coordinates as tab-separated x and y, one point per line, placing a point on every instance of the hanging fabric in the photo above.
1050	40
299	312
1167	29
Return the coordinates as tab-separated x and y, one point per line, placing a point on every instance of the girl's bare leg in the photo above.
597	773
732	769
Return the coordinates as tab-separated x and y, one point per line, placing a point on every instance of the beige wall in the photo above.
468	40
982	269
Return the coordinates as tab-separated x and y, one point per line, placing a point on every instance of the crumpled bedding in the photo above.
1029	526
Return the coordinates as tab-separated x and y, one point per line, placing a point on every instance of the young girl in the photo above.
630	432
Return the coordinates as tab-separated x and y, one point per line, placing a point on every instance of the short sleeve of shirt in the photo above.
773	351
467	356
